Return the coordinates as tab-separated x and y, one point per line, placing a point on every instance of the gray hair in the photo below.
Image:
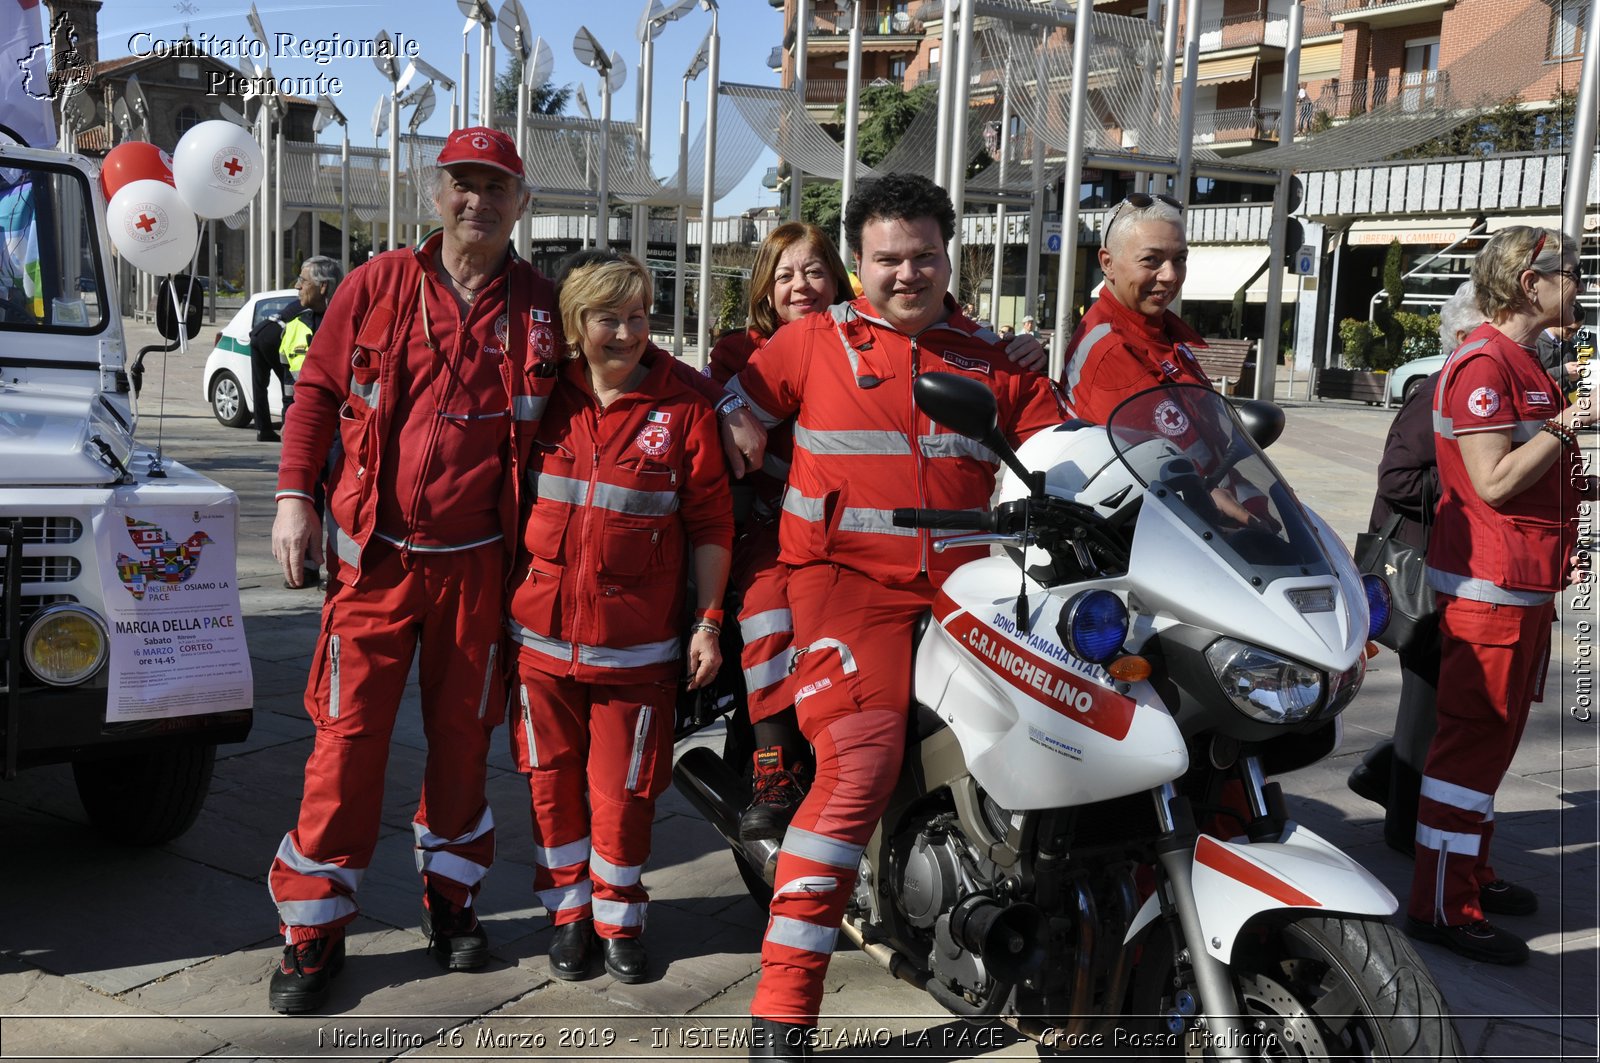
1125	214
325	272
1459	314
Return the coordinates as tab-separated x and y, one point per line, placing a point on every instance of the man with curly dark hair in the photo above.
857	583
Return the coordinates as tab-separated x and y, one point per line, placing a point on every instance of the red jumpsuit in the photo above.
1496	571
426	447
765	622
1117	353
620	495
861	449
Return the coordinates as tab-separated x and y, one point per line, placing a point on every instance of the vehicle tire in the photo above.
228	403
146	798
1322	988
1411	388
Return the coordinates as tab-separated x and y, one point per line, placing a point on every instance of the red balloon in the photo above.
132	161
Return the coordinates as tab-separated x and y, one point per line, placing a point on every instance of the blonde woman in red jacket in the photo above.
627	481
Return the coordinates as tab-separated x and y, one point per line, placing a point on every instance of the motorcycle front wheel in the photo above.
1314	988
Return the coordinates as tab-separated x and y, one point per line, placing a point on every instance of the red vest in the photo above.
1115	353
1517	553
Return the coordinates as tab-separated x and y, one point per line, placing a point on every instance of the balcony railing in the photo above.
1344	7
1233	125
878	23
1414	91
831	90
1243	31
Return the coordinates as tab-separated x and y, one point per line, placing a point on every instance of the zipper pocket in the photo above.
488	677
640	729
333	677
527	727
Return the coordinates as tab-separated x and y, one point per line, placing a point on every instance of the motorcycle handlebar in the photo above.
947	519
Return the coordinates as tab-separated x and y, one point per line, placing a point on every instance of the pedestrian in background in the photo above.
278	345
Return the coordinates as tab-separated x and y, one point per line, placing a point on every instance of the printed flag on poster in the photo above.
25	113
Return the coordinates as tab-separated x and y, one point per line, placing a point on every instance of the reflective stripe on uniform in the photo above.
315	913
1481	590
770	622
347	877
614	874
528	407
853	519
847	660
344	548
1449	793
452	866
735	388
367	393
645	653
1448	843
950	445
855	443
455	548
1521	431
1080	355
809	845
798	934
562	899
562	855
426	839
768	673
618	913
553	488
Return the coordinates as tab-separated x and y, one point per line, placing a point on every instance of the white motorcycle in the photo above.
1082	843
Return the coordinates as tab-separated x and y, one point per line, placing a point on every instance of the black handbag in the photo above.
1413	616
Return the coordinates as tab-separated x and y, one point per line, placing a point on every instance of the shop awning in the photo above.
1217	273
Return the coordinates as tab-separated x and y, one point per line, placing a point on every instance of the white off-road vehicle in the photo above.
122	647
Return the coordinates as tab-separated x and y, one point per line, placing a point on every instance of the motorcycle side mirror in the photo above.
1263	421
179	294
967	407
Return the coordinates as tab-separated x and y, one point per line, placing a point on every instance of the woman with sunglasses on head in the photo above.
1501	548
1129	341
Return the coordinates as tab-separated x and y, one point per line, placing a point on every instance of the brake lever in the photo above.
982	539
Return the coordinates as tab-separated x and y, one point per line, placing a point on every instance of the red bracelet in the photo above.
713	615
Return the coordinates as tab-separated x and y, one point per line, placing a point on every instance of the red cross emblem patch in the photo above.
1170	420
1484	402
654	439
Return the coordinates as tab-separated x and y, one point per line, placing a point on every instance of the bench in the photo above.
1229	363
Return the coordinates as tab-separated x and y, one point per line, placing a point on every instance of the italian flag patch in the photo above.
659	417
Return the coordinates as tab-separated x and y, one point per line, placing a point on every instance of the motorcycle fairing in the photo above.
1235	881
1039	728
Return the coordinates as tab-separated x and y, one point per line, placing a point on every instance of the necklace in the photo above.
472	292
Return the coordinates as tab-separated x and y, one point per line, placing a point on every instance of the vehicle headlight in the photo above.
1343	687
1378	603
1264	685
65	644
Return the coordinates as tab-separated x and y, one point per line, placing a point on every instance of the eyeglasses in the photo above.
1138	201
1575	275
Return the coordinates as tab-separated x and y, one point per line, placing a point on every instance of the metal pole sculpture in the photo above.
941	149
1071	180
997	279
958	143
612	73
696	65
802	31
852	118
1030	287
708	196
1580	161
1267	349
384	60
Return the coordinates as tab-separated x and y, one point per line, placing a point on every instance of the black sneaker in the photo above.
1476	941
300	984
775	794
1507	898
455	937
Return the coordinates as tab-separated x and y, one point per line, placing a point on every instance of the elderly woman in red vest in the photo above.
1500	550
628	481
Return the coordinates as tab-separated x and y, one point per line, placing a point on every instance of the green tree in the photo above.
733	309
542	99
1508	125
1385	314
887	112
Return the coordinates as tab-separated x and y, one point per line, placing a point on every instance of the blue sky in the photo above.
749	30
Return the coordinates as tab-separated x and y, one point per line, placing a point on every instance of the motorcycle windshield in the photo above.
1187	445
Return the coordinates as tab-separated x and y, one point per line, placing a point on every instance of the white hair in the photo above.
1459	314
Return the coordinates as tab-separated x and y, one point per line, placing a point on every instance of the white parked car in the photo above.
1406	378
225	383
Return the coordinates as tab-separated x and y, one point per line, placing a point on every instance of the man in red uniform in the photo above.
1129	341
862	449
422	381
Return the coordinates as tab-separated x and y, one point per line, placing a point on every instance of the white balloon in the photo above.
217	167
151	227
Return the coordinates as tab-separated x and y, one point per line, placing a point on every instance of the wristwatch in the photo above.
730	403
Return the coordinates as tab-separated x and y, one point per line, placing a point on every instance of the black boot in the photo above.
455	937
775	795
300	983
626	960
572	950
1400	814
780	1040
1370	779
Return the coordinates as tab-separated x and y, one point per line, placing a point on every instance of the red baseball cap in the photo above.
483	146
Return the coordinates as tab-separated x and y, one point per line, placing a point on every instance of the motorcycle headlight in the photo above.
1263	685
1378	599
1094	625
65	645
1342	688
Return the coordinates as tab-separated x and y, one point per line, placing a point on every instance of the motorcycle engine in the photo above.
939	868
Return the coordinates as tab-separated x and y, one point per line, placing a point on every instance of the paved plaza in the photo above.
114	952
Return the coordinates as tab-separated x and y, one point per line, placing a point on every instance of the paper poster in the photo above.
172	607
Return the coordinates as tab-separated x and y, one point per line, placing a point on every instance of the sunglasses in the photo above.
1138	201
